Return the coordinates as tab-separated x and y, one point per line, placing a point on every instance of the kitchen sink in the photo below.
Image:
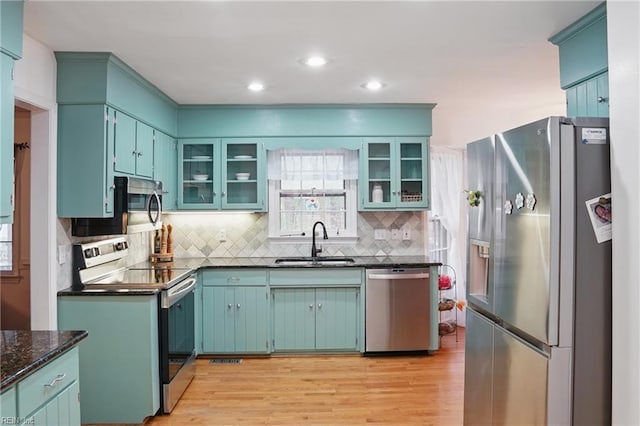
317	261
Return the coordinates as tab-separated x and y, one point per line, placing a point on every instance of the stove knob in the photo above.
96	251
88	253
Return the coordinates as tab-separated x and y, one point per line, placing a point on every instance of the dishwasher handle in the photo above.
398	276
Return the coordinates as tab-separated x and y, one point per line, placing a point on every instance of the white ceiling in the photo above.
487	65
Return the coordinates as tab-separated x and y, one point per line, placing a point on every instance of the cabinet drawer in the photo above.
316	277
234	277
59	373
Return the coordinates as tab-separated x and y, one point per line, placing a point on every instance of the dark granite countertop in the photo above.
194	263
269	262
24	351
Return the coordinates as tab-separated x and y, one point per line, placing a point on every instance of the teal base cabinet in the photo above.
324	319
6	137
235	311
119	363
48	396
317	310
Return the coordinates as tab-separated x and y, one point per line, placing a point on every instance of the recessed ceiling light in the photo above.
372	85
256	86
315	61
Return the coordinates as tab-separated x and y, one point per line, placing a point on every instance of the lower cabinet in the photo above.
315	319
235	312
48	396
119	367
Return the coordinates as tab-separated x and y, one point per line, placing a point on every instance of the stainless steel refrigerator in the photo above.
538	324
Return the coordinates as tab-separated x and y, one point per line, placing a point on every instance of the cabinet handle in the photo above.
319	305
55	381
601	100
238	306
311	306
233	280
223	193
214	193
229	306
140	154
134	152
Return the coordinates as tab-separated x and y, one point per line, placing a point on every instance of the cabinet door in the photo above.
218	314
589	98
337	318
378	171
251	319
86	135
64	409
198	175
144	150
125	144
165	168
6	141
294	319
412	174
243	177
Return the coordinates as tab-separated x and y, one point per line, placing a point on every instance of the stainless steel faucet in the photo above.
314	250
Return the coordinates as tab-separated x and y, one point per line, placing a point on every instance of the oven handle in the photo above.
398	276
177	292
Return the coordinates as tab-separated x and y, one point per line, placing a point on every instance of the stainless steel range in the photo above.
101	267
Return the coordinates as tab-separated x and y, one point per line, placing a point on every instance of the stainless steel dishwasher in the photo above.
397	310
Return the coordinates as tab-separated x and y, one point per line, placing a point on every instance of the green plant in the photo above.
473	197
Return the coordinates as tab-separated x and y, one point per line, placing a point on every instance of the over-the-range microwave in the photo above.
137	207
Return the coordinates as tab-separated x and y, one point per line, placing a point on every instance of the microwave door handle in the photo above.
158	212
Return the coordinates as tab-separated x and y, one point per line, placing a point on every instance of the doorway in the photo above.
15	273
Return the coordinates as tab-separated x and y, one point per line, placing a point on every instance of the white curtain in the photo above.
310	165
447	196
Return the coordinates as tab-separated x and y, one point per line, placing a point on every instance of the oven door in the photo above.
177	340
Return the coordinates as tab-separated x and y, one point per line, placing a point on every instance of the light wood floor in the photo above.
327	390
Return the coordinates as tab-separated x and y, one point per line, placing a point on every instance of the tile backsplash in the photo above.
197	235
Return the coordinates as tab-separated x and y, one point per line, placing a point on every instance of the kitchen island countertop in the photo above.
24	351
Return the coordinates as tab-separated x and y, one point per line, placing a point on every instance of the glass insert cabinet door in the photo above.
199	182
242	174
396	171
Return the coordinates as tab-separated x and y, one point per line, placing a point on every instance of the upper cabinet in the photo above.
394	174
11	27
227	174
583	64
6	138
108	119
165	168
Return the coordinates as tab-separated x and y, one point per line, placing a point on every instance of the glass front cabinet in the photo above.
221	174
395	174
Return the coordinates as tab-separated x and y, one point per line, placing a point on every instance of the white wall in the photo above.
623	26
35	89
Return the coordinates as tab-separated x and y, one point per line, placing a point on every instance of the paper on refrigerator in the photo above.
599	210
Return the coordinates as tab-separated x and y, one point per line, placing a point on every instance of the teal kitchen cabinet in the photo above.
11	27
86	140
51	394
589	98
133	147
226	174
243	174
8	406
582	48
198	174
165	168
235	311
119	363
394	174
316	310
315	319
6	141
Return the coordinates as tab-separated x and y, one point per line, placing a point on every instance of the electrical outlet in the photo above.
406	234
379	234
395	234
222	235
